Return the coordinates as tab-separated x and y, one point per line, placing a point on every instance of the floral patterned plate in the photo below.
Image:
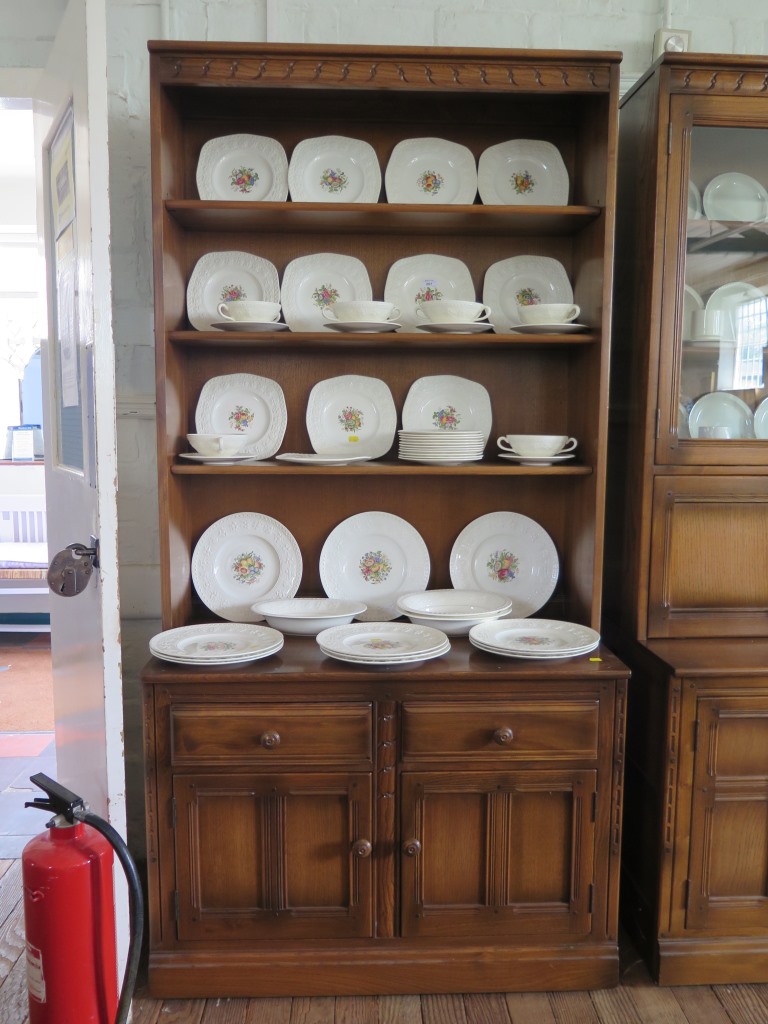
415	280
334	169
383	643
312	283
523	281
216	643
224	276
244	558
351	414
432	171
374	557
506	553
243	403
522	172
447	404
534	638
243	168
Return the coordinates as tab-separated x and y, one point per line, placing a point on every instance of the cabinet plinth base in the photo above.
230	973
716	961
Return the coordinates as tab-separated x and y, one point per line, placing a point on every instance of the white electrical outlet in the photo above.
671	40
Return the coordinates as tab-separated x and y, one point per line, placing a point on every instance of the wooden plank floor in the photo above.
635	1001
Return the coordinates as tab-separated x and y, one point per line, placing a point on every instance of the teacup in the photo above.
217	444
453	311
548	313
249	311
361	311
537	445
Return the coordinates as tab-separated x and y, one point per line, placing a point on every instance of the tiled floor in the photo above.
22	755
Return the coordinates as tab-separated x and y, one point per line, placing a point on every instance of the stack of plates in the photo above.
216	643
453	611
544	639
383	643
441	447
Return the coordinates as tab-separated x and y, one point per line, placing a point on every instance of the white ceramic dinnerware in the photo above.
374	557
313	459
306	616
243	558
351	415
694	202
735	196
447	403
228	277
358	312
540	639
452	611
243	168
720	409
537	445
760	420
526	172
509	554
216	643
729	307
453	311
334	169
218	444
314	283
250	312
430	171
548	313
523	281
414	281
692	303
246	404
383	643
433	448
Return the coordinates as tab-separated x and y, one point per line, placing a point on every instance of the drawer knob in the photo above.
362	848
503	736
411	847
270	739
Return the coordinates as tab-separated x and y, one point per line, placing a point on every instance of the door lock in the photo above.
71	570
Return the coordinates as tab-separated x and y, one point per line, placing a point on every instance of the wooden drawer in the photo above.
527	730
271	734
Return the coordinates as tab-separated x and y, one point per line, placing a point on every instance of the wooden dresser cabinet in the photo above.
321	827
687	549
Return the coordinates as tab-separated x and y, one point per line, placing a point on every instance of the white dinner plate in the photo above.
313	283
760	422
334	169
430	171
526	172
243	168
244	403
382	642
447	403
735	196
313	459
217	460
364	326
454	604
721	409
216	643
506	553
535	638
225	277
732	301
374	557
249	326
523	281
415	280
694	202
351	413
243	558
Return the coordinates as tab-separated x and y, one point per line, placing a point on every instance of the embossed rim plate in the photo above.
225	400
229	543
216	643
430	397
334	169
351	413
534	638
540	278
219	275
374	546
482	544
721	408
313	459
406	642
735	196
311	283
431	170
427	273
221	158
542	181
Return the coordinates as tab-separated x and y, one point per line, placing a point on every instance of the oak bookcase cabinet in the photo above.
687	588
316	827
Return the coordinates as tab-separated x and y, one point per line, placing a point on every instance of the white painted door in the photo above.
78	360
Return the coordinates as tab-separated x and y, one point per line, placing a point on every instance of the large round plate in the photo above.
732	301
506	553
522	172
244	403
735	196
431	171
216	643
225	277
313	283
374	557
351	414
694	202
447	403
761	420
334	169
523	281
243	168
415	280
382	642
534	638
244	558
721	409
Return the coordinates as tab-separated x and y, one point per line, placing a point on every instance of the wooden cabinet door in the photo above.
277	856
500	854
728	881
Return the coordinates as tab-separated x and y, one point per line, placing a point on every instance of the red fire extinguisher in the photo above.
69	915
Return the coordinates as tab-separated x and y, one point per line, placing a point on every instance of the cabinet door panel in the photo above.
503	854
272	856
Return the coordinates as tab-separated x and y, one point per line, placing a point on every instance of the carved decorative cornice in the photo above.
720	81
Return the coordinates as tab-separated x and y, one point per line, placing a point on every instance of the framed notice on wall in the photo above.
62	179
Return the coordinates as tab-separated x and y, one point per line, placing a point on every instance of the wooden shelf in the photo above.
334	340
380	468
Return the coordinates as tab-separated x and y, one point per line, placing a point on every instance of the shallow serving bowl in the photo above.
307	616
455	612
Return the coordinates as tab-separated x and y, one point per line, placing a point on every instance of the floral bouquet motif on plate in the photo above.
247	568
429	293
241	418
502	566
447	418
534	641
527	297
430	182
333	181
375	566
215	646
324	295
522	182
380	644
243	179
232	293
351	420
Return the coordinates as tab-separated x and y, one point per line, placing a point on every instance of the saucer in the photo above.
475	327
536	460
549	328
249	325
364	326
